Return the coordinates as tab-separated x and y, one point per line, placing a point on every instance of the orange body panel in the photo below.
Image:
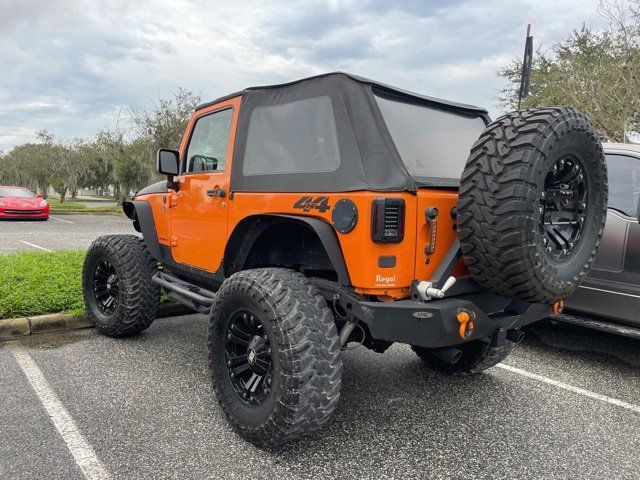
444	201
199	226
199	221
360	252
160	208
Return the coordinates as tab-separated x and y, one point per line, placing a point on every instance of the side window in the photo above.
294	137
624	183
207	150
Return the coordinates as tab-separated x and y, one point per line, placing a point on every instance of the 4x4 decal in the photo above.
308	203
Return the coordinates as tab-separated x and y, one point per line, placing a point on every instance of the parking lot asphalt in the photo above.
146	409
60	232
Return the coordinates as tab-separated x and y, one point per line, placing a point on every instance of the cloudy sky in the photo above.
69	66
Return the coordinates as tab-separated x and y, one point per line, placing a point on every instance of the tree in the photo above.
166	121
59	156
31	164
597	72
163	125
98	171
119	157
128	171
127	159
68	166
110	145
8	173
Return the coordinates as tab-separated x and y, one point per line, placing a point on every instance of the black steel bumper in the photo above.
435	323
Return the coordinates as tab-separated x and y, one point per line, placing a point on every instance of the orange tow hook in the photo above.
558	306
465	319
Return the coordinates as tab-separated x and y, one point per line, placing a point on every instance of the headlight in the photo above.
2	204
43	203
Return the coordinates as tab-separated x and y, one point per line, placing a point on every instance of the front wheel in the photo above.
118	292
274	355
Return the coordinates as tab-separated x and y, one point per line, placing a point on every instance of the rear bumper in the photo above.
435	324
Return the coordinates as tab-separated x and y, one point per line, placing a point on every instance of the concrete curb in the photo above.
58	322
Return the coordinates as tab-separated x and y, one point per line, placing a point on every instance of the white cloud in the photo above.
69	66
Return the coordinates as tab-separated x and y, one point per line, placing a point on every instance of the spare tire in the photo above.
532	204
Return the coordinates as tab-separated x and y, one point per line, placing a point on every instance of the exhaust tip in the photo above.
447	354
456	356
515	336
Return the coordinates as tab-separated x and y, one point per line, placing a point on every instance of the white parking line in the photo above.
59	219
35	246
82	452
571	388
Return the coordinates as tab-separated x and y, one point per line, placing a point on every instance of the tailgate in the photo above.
434	236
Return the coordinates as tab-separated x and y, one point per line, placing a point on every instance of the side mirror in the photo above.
167	162
39	195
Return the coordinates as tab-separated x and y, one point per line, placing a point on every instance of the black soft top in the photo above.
368	158
365	81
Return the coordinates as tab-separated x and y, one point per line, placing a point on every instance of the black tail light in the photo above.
387	220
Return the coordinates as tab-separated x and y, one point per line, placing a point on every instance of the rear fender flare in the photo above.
249	229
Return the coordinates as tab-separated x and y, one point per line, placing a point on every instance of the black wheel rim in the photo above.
105	287
248	354
563	207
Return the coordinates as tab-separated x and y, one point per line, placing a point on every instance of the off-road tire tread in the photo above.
139	296
496	189
308	349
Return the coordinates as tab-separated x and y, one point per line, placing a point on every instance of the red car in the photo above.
22	203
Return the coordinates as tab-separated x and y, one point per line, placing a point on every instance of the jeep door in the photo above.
612	288
199	209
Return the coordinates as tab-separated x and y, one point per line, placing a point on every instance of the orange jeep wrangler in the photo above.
335	209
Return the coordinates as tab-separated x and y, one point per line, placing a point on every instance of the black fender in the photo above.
140	212
249	229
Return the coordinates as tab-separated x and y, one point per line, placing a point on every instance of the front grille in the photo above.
23	212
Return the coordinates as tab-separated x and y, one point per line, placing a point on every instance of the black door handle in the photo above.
218	192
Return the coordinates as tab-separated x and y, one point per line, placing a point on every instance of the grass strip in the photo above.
33	283
69	206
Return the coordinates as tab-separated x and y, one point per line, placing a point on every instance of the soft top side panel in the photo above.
369	160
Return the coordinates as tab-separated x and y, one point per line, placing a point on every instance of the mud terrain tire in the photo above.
476	357
514	190
300	388
134	297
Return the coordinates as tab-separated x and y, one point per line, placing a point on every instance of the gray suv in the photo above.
609	297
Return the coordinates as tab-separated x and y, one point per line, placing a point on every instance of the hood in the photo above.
21	202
